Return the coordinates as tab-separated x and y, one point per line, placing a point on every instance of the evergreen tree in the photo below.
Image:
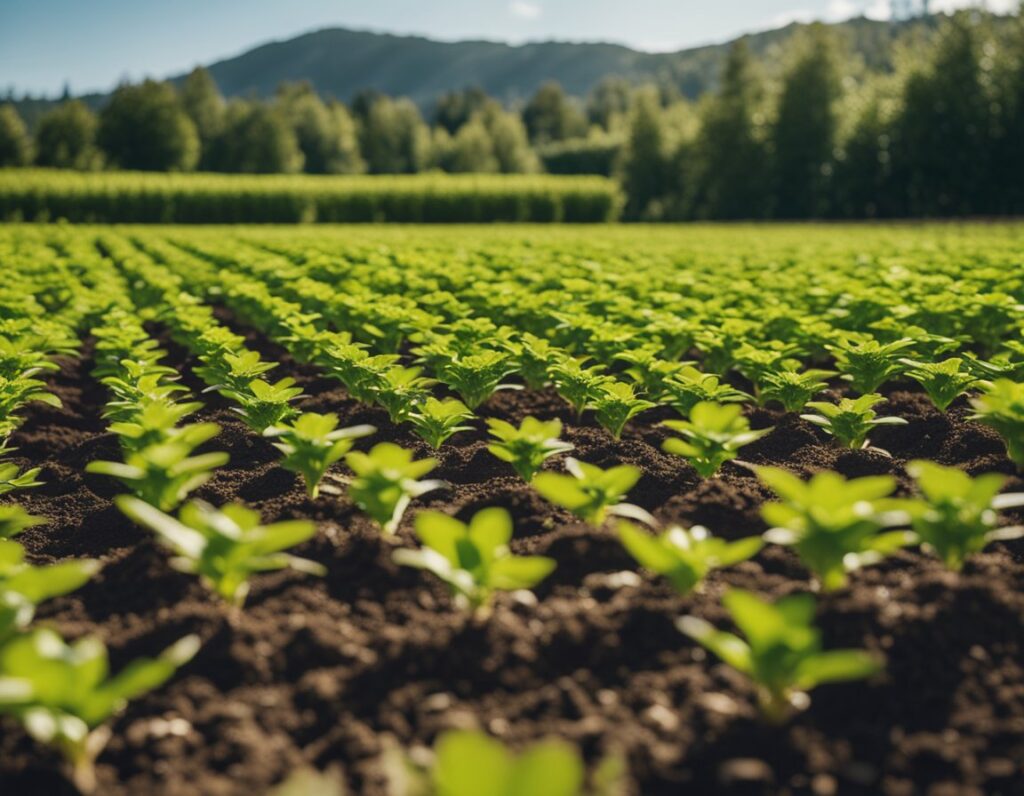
644	163
551	116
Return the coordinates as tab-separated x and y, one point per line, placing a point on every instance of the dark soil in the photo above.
328	671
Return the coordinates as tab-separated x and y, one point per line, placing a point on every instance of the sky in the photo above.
92	45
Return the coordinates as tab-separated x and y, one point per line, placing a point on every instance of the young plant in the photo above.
866	363
11	479
471	763
1001	407
527	448
577	384
436	421
614	404
534	356
592	493
386	480
685	557
834	525
312	443
262	404
474	559
157	423
232	371
957	517
226	546
712	436
477	376
649	369
792	389
944	381
164	474
23	586
14	519
63	693
401	390
689	387
781	651
851	420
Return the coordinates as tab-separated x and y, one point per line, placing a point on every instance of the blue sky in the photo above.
93	44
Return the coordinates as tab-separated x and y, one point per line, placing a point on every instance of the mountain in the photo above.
341	63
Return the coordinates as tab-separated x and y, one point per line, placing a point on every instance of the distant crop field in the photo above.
146	197
724	509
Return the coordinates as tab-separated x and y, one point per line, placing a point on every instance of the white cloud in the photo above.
788	17
524	9
878	9
838	10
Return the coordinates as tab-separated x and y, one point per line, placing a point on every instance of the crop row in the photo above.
408	332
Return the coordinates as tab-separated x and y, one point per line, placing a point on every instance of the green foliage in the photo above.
685	556
851	420
615	404
163	474
957	516
590	492
712	436
436	421
14	519
793	389
473	559
470	763
144	127
834	525
15	143
63	693
386	479
781	652
576	383
526	448
866	363
255	139
1001	406
66	138
312	443
226	546
944	381
23	586
11	479
262	404
688	387
477	376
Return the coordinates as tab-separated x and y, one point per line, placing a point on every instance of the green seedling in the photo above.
473	559
23	586
312	443
592	493
11	479
527	448
1001	407
226	546
712	436
14	519
386	480
793	389
834	525
851	420
958	515
436	421
781	651
63	693
262	404
476	377
944	381
615	404
685	557
689	387
867	363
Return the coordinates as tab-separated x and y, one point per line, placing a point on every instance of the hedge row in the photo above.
137	197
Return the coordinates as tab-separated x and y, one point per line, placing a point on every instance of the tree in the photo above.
805	130
609	102
864	180
945	127
205	106
1007	171
393	137
144	127
509	140
456	108
644	161
325	133
66	137
551	116
256	139
15	144
469	150
730	148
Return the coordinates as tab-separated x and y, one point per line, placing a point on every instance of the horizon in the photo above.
38	40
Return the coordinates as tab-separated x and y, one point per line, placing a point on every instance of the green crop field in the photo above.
586	510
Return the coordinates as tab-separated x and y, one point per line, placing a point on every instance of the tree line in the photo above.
813	134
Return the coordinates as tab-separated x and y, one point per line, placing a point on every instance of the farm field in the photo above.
840	407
